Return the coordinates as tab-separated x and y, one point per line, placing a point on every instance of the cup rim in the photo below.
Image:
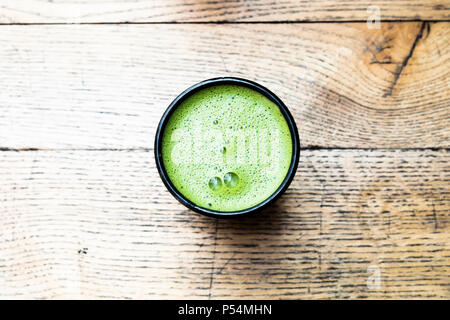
221	81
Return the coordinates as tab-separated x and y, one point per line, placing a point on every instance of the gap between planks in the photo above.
220	22
310	148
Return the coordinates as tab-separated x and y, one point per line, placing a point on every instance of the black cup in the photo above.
234	81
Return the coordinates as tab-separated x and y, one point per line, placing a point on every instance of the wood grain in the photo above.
35	11
106	86
99	224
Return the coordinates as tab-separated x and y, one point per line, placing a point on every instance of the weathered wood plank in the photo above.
348	216
97	225
100	224
106	86
34	11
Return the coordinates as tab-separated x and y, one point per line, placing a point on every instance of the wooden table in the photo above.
84	214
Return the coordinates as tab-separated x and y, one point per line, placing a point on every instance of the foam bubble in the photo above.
215	183
231	179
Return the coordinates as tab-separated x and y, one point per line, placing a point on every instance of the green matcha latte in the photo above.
227	148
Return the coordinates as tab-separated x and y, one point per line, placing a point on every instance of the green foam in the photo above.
222	129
